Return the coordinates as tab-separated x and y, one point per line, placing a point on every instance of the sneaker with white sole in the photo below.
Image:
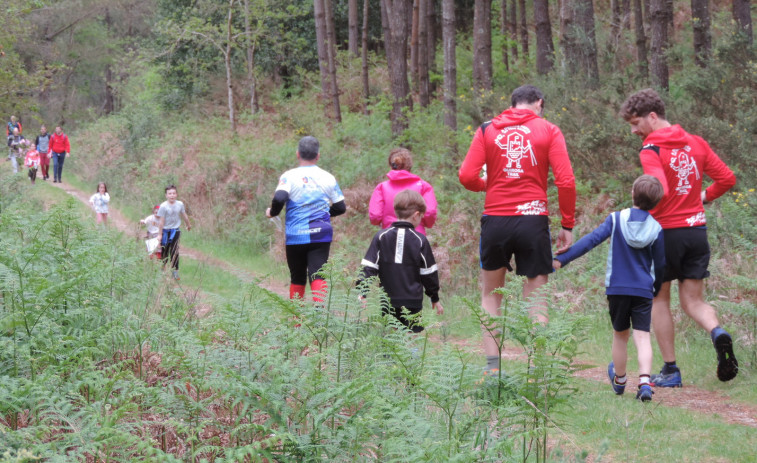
618	388
728	366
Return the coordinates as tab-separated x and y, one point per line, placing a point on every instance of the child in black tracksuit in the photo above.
403	260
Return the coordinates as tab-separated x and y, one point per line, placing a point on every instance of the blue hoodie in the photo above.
636	260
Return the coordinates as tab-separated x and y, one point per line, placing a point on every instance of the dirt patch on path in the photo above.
135	230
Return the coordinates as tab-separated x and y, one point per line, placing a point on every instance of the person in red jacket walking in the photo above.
516	150
59	148
680	161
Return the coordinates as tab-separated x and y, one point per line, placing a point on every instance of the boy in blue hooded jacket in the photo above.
635	265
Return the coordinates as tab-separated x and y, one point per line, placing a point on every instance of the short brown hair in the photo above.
647	192
407	202
641	103
401	159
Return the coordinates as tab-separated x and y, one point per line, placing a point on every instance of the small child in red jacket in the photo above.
32	161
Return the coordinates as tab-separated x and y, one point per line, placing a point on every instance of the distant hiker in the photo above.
680	160
635	266
311	196
151	237
99	202
381	206
170	214
13	124
518	147
15	145
59	148
42	142
31	161
404	263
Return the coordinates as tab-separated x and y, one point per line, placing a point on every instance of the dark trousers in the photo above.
170	247
58	159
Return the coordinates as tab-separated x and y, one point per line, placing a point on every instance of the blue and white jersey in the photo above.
311	191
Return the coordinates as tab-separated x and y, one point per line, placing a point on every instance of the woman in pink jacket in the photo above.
381	207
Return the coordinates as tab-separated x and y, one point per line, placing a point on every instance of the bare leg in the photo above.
644	351
491	302
620	351
662	323
691	293
538	309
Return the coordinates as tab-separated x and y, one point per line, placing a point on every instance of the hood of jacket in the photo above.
668	137
513	116
402	176
640	230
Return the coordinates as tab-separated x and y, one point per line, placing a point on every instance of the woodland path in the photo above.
691	398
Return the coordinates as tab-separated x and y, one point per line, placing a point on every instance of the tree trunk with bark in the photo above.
364	59
227	65
700	16
254	105
331	54
641	40
414	31
503	32
742	14
423	78
482	45
545	49
352	18
109	103
319	11
450	64
396	13
523	27
578	40
431	25
658	15
512	28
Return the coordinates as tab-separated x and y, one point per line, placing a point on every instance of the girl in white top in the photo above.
152	221
99	202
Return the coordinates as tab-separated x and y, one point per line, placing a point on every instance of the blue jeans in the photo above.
58	159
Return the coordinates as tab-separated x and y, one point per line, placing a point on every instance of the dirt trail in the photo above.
689	397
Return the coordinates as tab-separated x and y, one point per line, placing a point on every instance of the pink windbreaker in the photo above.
381	207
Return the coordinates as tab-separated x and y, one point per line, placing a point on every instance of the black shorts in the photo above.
305	260
625	310
525	236
687	254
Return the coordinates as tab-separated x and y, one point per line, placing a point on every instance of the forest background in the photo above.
213	95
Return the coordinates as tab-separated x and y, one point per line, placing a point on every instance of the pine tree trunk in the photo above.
423	78
227	65
615	24
352	18
641	40
700	15
512	28
503	32
109	104
658	16
545	49
431	25
319	11
254	106
568	42
396	13
482	45
364	59
742	14
414	45
523	28
450	64
331	54
626	17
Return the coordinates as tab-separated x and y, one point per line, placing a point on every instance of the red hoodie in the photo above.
517	149
679	160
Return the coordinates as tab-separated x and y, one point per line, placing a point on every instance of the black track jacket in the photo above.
403	260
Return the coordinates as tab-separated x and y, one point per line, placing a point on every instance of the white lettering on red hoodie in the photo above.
518	148
680	160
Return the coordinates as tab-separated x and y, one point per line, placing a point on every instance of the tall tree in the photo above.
742	14
658	15
331	50
352	18
321	39
512	28
423	77
615	26
545	49
523	27
450	64
482	45
578	40
414	31
700	16
503	31
394	17
364	59
641	39
431	25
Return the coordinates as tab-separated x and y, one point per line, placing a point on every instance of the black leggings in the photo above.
304	260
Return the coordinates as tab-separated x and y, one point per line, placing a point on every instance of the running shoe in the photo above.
644	393
728	366
667	380
618	388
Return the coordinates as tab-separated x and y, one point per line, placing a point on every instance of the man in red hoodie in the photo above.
516	150
59	147
680	160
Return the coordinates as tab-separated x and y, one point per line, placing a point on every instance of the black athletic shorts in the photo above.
625	310
525	236
687	254
304	260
